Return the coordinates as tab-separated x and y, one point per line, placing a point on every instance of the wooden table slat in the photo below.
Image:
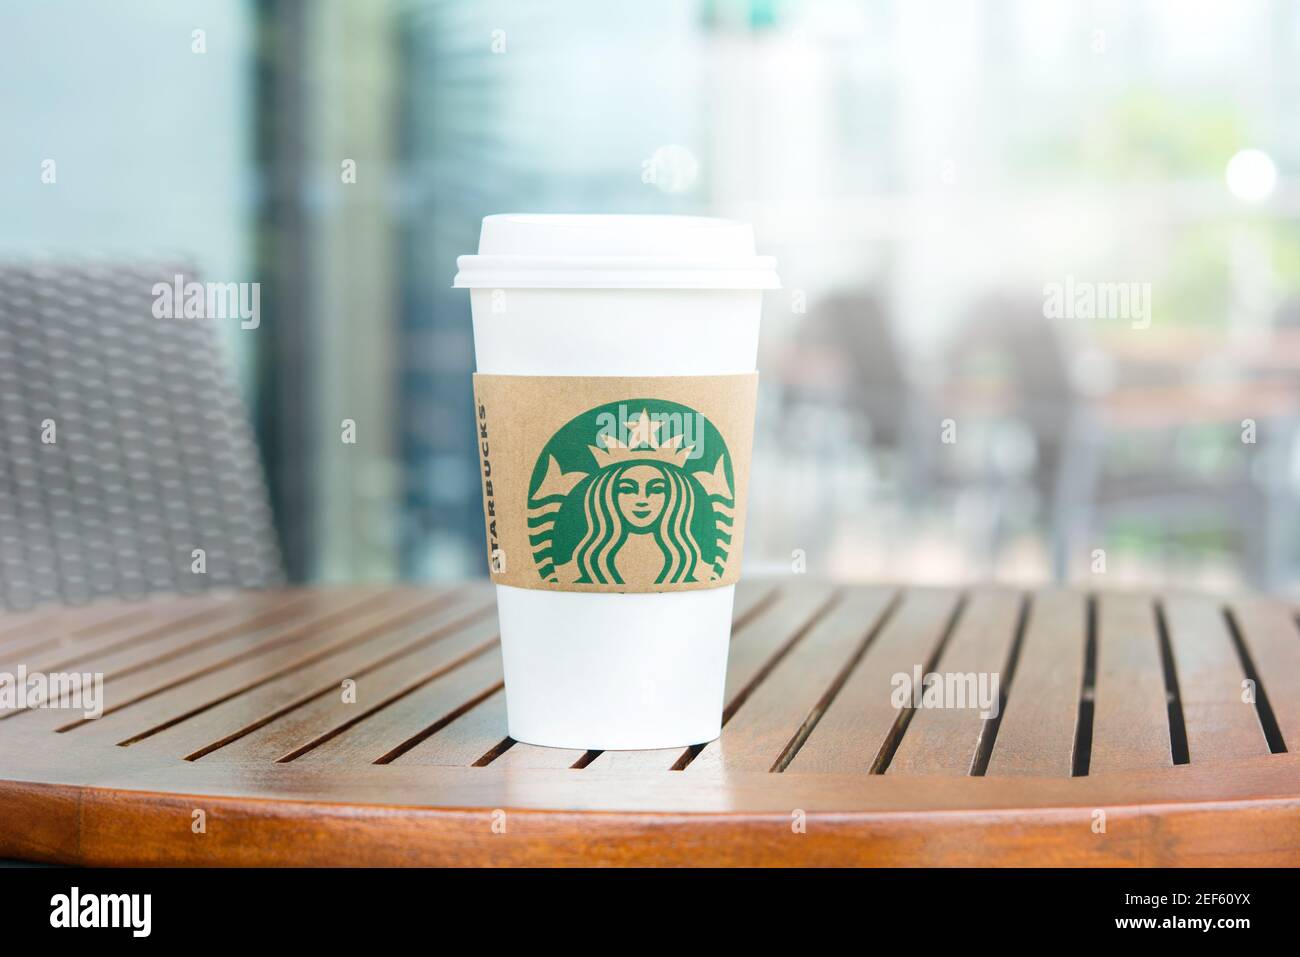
1271	637
1221	724
521	755
1131	719
469	738
1039	726
852	733
22	630
374	689
247	686
947	740
22	626
248	709
59	648
773	715
150	698
754	648
167	640
412	719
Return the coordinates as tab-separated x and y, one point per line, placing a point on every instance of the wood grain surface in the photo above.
368	725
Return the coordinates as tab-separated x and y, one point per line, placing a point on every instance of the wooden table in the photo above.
227	737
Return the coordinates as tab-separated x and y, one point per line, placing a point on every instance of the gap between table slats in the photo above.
808	683
1130	729
61	644
375	690
19	632
188	672
1270	641
1219	719
223	722
950	740
1039	726
757	649
859	730
147	702
771	722
165	641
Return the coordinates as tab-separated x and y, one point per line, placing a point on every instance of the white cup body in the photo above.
615	671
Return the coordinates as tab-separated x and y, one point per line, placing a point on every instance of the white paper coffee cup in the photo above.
559	295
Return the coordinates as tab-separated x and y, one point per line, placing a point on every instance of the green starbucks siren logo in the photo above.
636	492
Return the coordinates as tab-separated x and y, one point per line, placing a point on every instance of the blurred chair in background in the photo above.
124	447
849	402
853	332
1125	446
1199	447
1017	415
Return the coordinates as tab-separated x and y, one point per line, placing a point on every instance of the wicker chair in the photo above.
124	446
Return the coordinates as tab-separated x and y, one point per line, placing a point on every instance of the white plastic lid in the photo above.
542	251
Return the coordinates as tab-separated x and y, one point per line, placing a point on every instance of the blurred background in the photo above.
1041	315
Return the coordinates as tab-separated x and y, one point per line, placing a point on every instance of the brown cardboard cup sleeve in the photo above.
615	483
